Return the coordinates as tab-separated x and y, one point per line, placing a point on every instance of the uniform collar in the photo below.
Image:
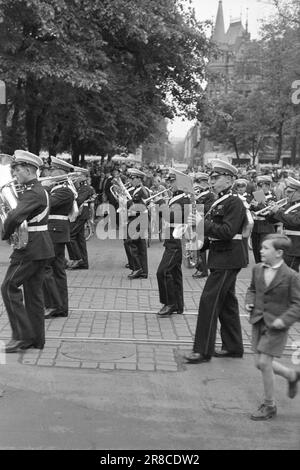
175	193
29	183
225	191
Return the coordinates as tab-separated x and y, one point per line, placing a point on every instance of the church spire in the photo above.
219	30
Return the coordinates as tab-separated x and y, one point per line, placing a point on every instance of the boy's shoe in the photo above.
293	386
264	412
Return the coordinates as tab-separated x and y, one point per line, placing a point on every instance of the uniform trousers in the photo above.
128	252
218	301
77	245
26	317
169	275
55	284
138	254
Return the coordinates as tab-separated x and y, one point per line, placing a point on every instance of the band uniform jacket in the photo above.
291	222
61	203
32	202
262	225
281	299
225	221
176	212
137	208
85	191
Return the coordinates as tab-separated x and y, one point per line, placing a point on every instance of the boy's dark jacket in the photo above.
281	299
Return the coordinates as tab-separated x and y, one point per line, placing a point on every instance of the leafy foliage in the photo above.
96	75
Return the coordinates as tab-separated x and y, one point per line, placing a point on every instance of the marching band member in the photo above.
206	197
126	240
137	234
261	226
27	265
223	228
169	273
77	248
240	187
289	216
61	204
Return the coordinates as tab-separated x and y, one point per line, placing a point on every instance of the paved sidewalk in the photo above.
112	377
113	324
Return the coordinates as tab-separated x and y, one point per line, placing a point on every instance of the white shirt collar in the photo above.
275	266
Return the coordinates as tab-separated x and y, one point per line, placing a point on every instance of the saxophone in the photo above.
9	201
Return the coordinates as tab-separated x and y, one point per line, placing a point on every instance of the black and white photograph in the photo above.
150	228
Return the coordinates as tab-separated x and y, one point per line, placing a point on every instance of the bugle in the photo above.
281	203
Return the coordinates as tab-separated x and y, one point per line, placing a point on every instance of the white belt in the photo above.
292	232
58	217
38	228
239	236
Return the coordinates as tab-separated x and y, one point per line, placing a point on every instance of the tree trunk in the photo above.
236	150
293	150
39	132
280	140
75	152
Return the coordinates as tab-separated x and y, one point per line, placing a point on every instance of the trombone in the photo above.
66	178
281	203
145	201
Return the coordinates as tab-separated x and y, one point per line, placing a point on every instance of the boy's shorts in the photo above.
268	340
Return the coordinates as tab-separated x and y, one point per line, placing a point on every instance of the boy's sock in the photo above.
269	402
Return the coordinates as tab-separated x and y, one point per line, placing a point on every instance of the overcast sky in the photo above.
207	10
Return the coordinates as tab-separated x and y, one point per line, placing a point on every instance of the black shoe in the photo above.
224	353
78	264
54	313
167	310
293	386
13	346
196	358
135	274
199	275
19	346
144	276
162	309
264	412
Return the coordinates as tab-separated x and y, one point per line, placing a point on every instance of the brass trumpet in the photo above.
281	203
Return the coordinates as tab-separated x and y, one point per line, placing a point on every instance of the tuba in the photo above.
9	201
119	191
